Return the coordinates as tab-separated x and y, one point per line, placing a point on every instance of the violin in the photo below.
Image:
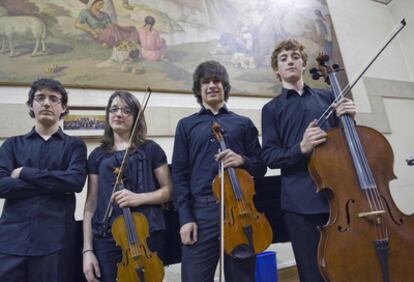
246	231
367	238
130	232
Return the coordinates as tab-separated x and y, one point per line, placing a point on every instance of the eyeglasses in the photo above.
125	111
53	100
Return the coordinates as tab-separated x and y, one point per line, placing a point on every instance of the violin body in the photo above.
138	262
246	231
346	249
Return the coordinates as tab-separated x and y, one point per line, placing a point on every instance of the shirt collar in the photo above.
223	110
289	92
33	132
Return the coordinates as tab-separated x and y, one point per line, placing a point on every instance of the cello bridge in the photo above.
371	213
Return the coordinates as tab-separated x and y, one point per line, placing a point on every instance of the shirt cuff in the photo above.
248	164
27	173
297	154
185	215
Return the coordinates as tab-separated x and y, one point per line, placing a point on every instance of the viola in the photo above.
246	231
367	238
130	232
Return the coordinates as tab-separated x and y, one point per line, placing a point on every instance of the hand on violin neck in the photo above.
230	158
312	137
189	233
126	198
345	106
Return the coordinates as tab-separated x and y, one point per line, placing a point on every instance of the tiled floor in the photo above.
172	274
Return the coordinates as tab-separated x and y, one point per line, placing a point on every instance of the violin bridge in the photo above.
371	213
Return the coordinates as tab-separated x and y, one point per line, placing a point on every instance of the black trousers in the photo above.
53	267
304	236
199	261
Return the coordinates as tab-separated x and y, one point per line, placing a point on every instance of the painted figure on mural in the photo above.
101	27
152	45
324	30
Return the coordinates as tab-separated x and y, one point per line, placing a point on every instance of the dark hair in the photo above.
52	85
149	20
210	69
139	138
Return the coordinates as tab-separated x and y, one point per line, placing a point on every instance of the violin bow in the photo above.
221	173
349	86
109	207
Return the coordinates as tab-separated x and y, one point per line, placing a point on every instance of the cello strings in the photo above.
366	177
369	182
373	187
372	191
349	131
359	170
359	74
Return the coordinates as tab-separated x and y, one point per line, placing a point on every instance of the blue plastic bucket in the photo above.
266	269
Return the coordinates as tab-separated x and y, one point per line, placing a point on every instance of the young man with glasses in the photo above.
194	166
40	172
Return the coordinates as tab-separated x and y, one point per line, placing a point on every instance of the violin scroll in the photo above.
217	131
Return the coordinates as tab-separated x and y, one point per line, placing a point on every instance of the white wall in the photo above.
360	26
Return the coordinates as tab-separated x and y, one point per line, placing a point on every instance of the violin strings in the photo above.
236	188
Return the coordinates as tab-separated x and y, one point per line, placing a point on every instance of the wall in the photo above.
385	98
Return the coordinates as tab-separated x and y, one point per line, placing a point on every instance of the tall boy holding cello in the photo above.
194	166
289	135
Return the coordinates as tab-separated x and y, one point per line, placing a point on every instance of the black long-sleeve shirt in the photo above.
193	164
40	204
284	120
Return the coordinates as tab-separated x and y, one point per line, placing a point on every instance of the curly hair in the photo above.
210	69
52	85
288	45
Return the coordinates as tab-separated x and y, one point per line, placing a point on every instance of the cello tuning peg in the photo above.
316	76
313	70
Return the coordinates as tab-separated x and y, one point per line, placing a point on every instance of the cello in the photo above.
130	230
246	231
367	238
